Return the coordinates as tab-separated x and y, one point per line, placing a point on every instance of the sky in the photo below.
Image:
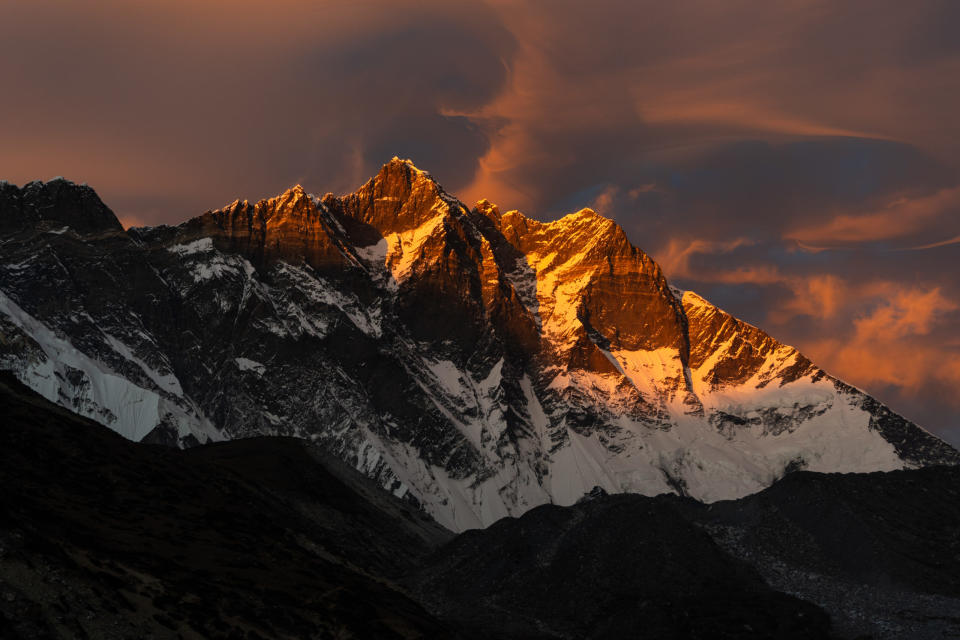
797	163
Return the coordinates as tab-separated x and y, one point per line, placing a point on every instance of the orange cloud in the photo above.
934	245
605	202
908	367
743	115
819	296
898	218
675	261
907	313
890	345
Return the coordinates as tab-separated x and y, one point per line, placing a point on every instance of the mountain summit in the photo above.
475	362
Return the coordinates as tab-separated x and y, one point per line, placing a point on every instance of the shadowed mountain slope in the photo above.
264	538
270	538
879	551
108	539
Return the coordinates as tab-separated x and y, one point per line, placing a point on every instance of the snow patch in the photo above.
448	375
404	248
374	253
166	381
246	364
202	245
319	290
74	380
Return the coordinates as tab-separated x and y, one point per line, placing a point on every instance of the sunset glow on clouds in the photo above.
795	162
907	342
901	219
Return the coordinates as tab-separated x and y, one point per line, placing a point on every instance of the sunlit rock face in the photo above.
289	227
478	363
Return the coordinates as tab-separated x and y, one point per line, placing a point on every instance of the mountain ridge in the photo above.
273	537
477	363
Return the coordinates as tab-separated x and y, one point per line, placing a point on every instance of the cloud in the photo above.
675	259
738	115
678	79
199	103
819	296
899	344
907	313
902	218
935	245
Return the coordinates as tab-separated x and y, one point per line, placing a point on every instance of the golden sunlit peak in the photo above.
409	163
488	209
291	197
294	193
586	214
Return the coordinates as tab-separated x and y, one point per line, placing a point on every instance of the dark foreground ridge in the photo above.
106	538
102	538
267	538
879	551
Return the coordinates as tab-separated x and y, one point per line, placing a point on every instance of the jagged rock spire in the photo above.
398	198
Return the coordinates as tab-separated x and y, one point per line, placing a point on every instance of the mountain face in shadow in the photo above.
261	538
476	363
268	537
271	537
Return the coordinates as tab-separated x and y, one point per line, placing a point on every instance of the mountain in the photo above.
473	362
269	537
272	538
262	538
879	551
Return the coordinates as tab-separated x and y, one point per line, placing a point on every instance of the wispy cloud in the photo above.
900	218
934	245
